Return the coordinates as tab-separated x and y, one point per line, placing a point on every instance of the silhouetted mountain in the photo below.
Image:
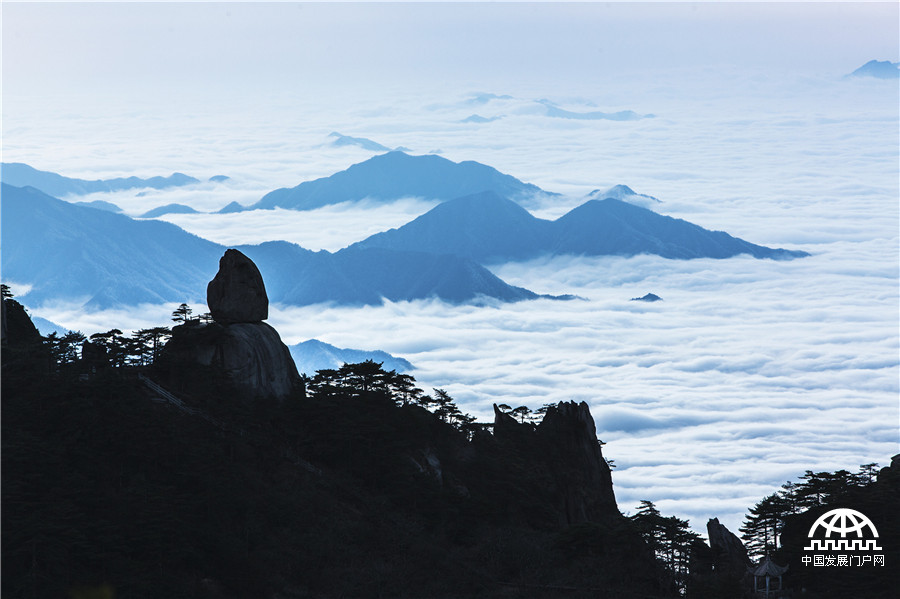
100	205
362	142
552	110
313	355
46	326
881	69
81	254
625	194
349	486
219	178
482	226
611	227
489	228
477	118
396	175
650	297
297	276
169	209
73	253
22	175
231	207
484	98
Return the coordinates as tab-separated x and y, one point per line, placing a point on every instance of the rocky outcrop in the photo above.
17	328
564	450
504	424
248	352
251	355
729	556
583	478
237	293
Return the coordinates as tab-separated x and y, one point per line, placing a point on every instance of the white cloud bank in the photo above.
748	373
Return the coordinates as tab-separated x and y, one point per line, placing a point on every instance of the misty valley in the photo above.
522	505
450	300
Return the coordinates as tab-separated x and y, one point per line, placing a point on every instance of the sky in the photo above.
747	374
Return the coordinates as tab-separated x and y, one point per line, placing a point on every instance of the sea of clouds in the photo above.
747	374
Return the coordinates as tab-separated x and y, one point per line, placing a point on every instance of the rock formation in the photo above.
583	478
249	351
17	329
237	293
565	447
504	424
728	553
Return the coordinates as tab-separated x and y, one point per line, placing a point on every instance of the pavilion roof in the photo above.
768	568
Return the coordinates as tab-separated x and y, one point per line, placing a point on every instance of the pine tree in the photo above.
763	524
182	314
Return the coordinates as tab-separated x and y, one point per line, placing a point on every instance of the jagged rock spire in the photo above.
729	554
582	474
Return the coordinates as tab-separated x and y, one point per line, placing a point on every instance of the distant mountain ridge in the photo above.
313	355
552	110
168	209
361	142
69	252
18	174
100	205
489	229
395	175
880	69
625	194
72	252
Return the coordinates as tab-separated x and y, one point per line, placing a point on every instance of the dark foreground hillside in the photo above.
354	483
342	494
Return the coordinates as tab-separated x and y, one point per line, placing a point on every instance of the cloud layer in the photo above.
748	373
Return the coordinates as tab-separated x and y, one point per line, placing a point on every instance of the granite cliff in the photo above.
249	351
565	446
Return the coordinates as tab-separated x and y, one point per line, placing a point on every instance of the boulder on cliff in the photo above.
237	292
249	352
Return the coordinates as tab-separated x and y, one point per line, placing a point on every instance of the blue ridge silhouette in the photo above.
69	252
880	69
552	110
362	142
313	355
231	207
169	209
396	175
22	175
100	205
489	229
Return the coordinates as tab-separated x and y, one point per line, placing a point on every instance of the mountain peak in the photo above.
168	209
480	226
490	228
625	194
231	207
362	142
23	175
880	69
395	175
